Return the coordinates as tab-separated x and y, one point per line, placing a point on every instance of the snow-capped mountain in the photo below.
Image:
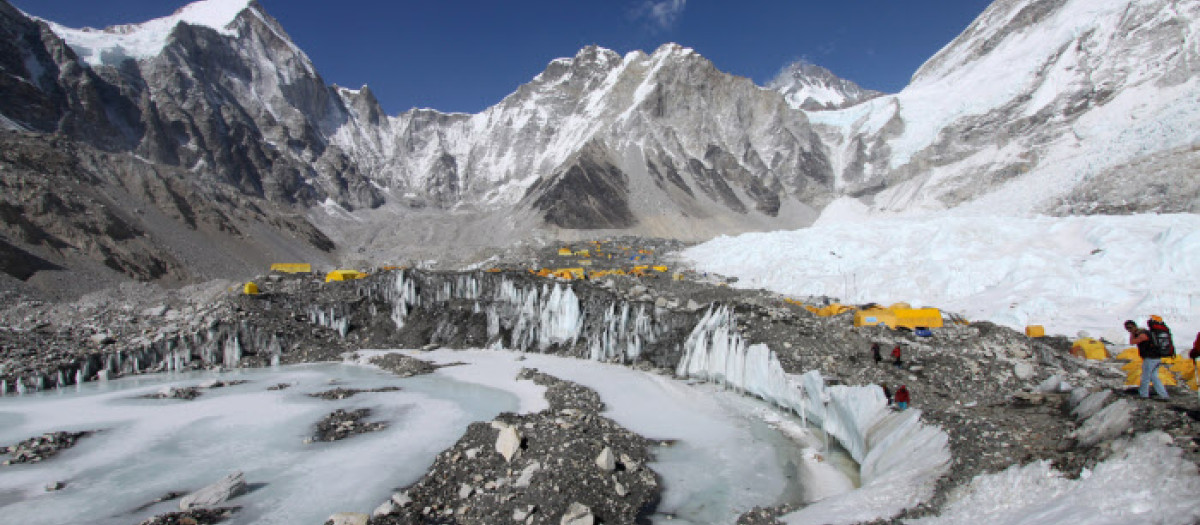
605	141
1046	106
808	86
217	87
1040	106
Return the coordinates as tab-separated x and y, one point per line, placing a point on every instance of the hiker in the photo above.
879	358
1148	351
887	394
902	397
896	356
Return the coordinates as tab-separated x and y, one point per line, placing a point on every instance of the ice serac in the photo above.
892	448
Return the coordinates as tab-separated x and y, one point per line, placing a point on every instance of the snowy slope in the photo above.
1034	102
1068	274
113	45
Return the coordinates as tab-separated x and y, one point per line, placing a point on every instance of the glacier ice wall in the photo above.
892	448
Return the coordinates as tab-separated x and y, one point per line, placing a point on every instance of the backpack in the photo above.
1160	335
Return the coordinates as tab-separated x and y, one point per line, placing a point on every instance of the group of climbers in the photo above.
902	396
1153	344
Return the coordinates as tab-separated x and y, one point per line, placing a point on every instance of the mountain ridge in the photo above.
660	144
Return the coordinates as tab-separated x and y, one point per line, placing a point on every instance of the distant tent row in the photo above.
899	315
344	275
291	267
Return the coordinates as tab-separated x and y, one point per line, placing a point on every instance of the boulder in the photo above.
578	514
508	442
1023	371
606	460
348	518
228	488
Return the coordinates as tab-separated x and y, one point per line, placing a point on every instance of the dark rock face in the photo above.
192	106
64	204
590	193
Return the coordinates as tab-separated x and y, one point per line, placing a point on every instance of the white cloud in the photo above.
663	13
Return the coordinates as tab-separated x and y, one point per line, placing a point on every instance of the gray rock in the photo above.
227	488
527	473
520	514
349	518
578	514
1023	371
1106	424
1051	384
1091	404
508	442
384	508
606	460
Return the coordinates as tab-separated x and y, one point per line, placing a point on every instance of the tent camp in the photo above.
344	275
250	288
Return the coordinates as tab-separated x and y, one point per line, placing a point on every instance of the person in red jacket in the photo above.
902	397
896	357
1150	361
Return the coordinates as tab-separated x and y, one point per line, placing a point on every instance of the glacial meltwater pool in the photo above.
727	460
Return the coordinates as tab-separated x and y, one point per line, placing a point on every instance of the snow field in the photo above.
1068	274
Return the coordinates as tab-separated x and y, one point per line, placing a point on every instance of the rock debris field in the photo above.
1002	399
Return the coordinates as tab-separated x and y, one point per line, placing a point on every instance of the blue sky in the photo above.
466	55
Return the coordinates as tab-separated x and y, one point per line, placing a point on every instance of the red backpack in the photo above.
1161	336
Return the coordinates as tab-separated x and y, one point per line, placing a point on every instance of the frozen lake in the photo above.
727	459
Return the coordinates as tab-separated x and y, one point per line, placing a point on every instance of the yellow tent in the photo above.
901	317
568	273
1089	348
250	288
1186	368
344	275
833	309
1129	354
873	317
566	252
1035	330
1134	374
291	268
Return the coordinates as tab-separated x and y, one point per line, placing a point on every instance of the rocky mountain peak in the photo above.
811	87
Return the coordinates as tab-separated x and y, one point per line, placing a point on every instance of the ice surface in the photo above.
1116	492
1067	274
150	447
